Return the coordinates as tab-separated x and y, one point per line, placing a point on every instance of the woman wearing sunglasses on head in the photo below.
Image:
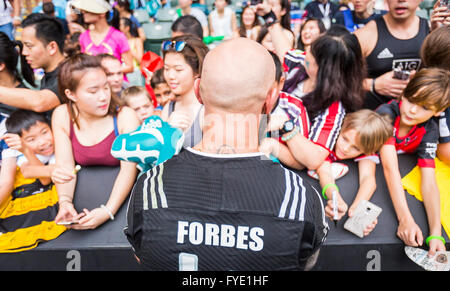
183	58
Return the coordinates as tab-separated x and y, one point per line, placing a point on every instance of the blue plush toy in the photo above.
152	143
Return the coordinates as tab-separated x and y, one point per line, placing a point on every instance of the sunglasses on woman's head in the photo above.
177	46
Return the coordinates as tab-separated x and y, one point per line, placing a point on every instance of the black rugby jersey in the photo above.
421	139
208	212
390	53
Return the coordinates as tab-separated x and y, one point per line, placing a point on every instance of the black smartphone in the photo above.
401	74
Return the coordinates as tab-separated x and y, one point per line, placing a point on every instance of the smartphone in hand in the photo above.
364	215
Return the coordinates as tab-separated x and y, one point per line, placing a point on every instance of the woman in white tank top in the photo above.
222	20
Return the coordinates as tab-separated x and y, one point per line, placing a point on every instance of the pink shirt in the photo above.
115	43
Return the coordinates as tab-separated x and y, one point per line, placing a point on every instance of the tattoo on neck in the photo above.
226	149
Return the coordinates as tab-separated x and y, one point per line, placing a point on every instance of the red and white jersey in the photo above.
326	126
293	107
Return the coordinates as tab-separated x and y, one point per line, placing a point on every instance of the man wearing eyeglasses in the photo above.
222	205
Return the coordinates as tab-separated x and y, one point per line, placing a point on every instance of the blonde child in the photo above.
139	100
362	135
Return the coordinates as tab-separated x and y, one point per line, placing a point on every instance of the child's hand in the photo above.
14	141
368	228
62	175
409	232
435	245
67	213
342	208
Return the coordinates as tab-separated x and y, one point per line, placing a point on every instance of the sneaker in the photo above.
151	144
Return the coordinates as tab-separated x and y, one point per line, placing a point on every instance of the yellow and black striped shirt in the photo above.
27	215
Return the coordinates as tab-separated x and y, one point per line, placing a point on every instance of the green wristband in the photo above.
325	189
435	237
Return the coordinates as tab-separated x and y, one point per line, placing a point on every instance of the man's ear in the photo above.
52	48
2	66
271	97
197	90
281	83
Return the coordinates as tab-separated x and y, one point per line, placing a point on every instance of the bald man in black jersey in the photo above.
222	205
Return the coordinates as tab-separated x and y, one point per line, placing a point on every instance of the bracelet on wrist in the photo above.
17	18
434	237
372	89
291	134
111	216
324	189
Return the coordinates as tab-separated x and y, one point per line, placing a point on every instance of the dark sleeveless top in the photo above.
95	155
194	134
391	52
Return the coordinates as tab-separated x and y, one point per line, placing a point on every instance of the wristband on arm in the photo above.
324	189
435	237
270	18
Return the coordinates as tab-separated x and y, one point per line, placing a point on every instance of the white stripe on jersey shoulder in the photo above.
225	156
324	221
149	188
287	193
294	187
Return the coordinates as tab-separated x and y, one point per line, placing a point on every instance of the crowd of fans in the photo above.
355	82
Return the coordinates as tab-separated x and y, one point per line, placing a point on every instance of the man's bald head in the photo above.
237	76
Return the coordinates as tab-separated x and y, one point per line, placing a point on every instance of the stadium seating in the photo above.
155	34
166	14
141	15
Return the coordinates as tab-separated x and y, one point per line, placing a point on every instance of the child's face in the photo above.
346	145
142	105
163	93
39	139
412	114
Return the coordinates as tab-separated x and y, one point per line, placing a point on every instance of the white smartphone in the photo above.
364	215
67	222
